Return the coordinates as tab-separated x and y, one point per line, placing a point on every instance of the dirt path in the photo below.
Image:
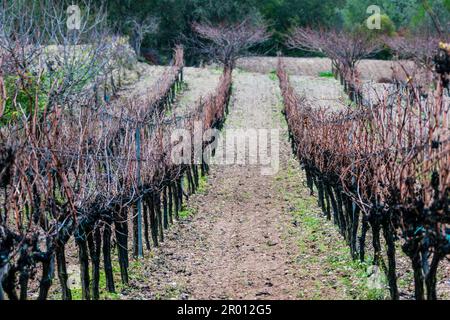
250	236
240	253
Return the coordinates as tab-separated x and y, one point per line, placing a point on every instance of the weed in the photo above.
202	185
186	213
320	247
326	74
273	75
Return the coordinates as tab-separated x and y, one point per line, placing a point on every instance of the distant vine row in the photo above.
383	168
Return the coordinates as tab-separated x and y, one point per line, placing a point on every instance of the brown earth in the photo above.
370	70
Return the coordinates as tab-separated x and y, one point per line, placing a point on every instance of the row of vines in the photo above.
381	168
81	176
86	168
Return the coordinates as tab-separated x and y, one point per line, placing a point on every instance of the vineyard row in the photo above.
382	168
98	176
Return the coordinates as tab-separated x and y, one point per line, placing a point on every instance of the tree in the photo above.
345	49
406	14
140	29
228	42
420	48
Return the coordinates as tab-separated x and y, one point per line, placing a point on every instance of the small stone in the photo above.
184	296
262	293
272	243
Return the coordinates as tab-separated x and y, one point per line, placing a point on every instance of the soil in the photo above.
198	83
321	92
370	70
232	248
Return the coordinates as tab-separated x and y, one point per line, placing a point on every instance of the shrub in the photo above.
21	94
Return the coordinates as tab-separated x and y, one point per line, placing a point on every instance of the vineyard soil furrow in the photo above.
321	92
198	84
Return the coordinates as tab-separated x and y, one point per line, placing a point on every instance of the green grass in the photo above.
217	70
322	252
186	212
333	256
183	86
24	96
104	294
273	75
178	91
326	74
279	116
202	184
135	273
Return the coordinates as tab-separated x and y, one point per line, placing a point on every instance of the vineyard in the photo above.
95	179
383	165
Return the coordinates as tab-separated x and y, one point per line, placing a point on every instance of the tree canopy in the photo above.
176	17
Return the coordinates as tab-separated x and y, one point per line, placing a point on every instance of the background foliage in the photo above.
176	16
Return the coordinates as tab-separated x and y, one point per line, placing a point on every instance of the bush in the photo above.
21	93
387	28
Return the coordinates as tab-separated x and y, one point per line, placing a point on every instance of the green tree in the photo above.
283	15
405	14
